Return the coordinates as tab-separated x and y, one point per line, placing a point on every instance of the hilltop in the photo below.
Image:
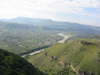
78	57
12	64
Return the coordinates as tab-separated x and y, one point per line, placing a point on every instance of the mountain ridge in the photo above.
83	58
56	25
39	21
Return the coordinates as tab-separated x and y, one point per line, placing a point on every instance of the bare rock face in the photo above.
61	62
85	43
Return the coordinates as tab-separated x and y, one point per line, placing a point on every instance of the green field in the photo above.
84	57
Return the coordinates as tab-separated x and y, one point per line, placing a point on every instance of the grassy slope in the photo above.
47	65
82	57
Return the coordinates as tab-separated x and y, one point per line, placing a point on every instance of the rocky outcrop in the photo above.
78	72
56	59
85	43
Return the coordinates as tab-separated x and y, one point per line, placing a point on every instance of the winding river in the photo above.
32	52
65	37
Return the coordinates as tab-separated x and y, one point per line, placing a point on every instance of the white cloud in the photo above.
66	6
38	8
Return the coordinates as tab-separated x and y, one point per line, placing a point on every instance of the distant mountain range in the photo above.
48	24
33	21
37	21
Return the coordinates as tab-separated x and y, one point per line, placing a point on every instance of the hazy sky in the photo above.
80	11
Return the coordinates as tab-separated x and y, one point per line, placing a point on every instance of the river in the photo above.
32	52
65	37
36	52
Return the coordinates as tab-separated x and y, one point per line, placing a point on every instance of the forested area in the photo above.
12	64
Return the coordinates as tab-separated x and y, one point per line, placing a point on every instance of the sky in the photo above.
78	11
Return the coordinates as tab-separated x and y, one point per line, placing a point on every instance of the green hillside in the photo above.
80	57
11	64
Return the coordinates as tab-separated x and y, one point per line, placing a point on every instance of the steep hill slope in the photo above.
80	57
11	64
